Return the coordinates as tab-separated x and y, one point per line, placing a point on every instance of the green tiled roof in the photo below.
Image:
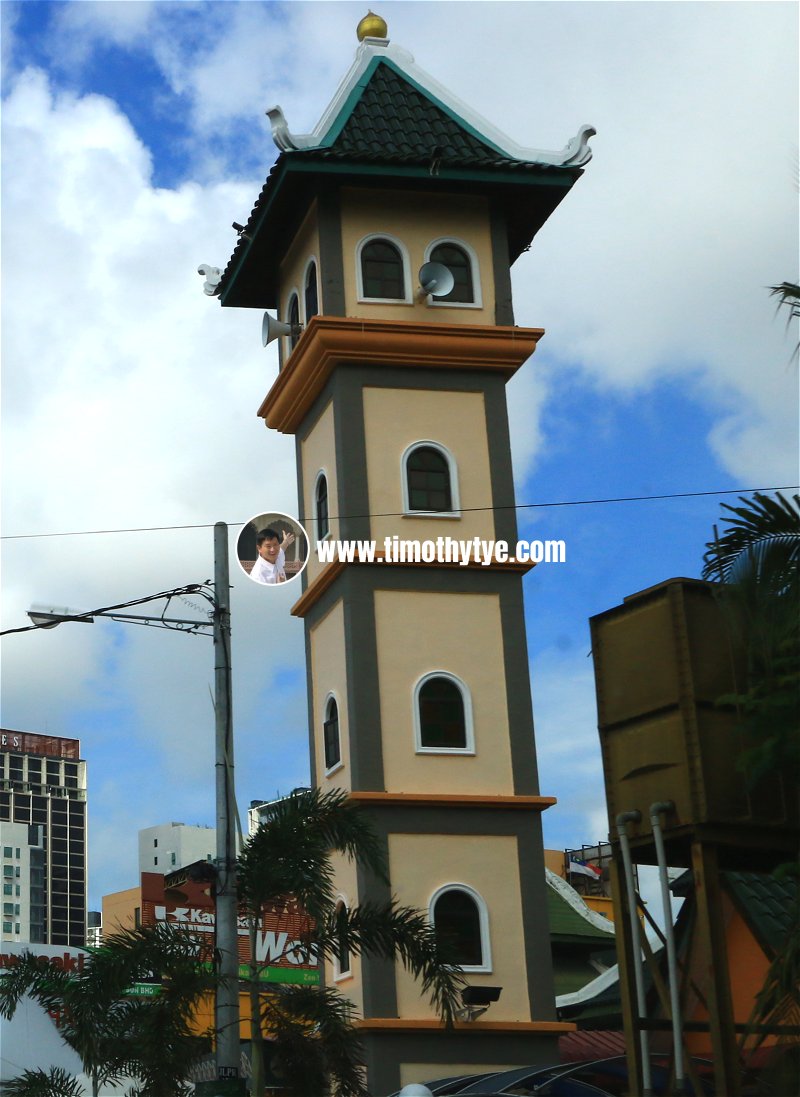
392	121
768	904
390	131
566	922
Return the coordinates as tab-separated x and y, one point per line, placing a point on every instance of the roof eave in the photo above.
550	185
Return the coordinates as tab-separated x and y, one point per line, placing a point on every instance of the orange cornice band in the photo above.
399	1024
451	800
317	587
330	341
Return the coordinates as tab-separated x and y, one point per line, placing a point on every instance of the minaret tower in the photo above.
418	685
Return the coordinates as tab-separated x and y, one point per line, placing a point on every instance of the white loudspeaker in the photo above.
436	279
272	328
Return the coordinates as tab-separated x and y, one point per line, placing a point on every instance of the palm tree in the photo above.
314	1043
116	1033
757	559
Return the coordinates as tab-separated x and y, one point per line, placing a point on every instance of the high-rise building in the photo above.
170	846
42	838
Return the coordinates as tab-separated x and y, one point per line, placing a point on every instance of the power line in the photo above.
401	514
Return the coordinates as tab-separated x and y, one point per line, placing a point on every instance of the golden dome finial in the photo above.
372	26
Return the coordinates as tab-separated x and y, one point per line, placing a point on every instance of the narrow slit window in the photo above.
323	524
333	751
311	292
294	320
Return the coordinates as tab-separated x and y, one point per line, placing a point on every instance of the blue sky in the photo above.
134	134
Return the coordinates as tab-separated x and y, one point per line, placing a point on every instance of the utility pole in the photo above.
226	1010
228	1081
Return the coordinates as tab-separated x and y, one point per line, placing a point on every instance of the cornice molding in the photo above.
325	578
524	1028
330	341
453	800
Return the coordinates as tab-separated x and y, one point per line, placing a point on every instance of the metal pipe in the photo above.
656	811
226	1005
641	1001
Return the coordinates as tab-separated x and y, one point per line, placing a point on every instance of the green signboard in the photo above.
144	990
304	976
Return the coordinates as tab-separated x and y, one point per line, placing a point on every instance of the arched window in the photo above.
311	292
458	262
341	959
330	730
321	506
293	318
461	921
443	715
382	271
429	481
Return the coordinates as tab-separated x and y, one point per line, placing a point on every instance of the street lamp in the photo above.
218	623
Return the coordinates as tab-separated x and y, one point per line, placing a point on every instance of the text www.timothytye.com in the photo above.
442	550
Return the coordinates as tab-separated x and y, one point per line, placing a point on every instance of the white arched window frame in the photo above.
340	970
469	729
332	698
472	255
483	922
407	299
322	475
294	295
312	261
455	497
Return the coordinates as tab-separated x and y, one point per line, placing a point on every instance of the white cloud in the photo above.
130	401
568	748
130	398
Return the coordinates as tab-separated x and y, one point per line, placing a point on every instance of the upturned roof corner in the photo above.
374	53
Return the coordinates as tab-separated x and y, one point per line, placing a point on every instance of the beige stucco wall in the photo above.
305	246
347	888
416	219
489	865
554	860
318	452
460	633
396	418
119	910
328	675
427	1072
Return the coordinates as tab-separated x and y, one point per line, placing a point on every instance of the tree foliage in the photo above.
757	561
314	1044
115	1033
788	294
756	558
55	1082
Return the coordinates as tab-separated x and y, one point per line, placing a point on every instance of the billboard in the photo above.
281	944
26	742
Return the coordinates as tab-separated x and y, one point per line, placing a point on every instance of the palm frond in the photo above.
290	852
47	985
314	1044
396	932
114	1033
55	1082
762	539
788	293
